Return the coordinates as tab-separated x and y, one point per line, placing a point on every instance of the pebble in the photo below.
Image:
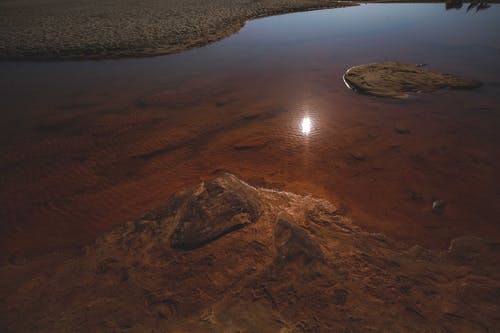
438	206
402	130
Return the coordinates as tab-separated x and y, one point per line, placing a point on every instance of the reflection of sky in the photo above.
428	19
418	33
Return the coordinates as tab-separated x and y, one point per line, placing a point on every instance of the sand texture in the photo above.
293	264
59	29
396	80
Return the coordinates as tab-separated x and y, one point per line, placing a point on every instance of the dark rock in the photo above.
402	130
218	208
415	196
358	156
438	206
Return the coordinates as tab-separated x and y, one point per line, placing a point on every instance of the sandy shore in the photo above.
60	29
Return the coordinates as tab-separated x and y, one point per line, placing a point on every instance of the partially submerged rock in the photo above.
402	130
396	80
438	206
216	209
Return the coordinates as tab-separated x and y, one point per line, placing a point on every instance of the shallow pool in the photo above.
89	144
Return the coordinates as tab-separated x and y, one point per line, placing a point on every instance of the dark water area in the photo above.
86	145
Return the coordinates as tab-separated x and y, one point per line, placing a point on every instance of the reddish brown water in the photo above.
87	145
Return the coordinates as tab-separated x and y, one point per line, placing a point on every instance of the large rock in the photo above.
396	80
225	205
228	257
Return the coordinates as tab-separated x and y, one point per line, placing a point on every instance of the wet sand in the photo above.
59	29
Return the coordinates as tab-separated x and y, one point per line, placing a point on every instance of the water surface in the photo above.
89	144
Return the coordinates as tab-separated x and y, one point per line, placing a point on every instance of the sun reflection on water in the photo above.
306	125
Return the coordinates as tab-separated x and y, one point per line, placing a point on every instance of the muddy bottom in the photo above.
88	145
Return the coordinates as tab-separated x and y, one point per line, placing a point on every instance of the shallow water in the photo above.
89	144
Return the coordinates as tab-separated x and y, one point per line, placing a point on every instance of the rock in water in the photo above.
438	206
396	80
225	205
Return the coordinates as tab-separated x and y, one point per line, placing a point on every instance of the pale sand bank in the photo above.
61	29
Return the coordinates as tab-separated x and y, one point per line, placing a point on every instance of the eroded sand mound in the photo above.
396	80
61	29
225	256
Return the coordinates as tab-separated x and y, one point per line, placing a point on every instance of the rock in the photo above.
294	242
396	80
415	196
224	205
402	130
358	156
438	206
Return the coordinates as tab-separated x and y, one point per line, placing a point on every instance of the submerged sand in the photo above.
59	29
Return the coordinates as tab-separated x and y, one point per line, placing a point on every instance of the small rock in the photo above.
402	130
358	156
415	196
438	206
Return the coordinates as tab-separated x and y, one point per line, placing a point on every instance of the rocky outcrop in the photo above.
225	256
214	210
396	80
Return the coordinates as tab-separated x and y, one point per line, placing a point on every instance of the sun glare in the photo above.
306	125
